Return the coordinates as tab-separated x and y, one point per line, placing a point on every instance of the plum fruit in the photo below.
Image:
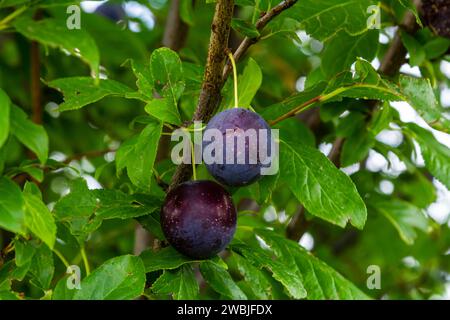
239	120
112	11
198	218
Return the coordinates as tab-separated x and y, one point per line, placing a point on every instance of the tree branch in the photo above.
395	56
175	34
212	80
176	30
260	24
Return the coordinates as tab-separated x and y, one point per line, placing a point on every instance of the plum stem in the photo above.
194	170
233	63
61	257
85	261
4	23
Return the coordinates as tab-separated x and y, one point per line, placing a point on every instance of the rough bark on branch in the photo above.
212	79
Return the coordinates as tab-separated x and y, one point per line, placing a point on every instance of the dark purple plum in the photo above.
198	218
112	11
239	120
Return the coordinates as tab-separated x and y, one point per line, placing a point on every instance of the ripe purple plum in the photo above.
198	218
239	120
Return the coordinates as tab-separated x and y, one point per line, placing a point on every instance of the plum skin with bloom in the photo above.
198	218
240	120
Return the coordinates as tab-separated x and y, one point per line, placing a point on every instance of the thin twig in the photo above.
296	110
260	24
176	30
87	268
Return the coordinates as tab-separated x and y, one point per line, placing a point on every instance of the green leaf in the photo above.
33	136
167	74
35	173
55	33
167	258
381	119
220	280
276	110
416	52
81	91
8	295
294	128
343	50
404	216
357	146
85	209
257	281
77	207
11	207
267	184
436	47
39	219
138	155
368	84
120	278
164	110
24	252
144	78
289	277
151	222
10	3
435	154
181	283
245	28
320	280
420	95
5	106
9	271
62	291
47	3
324	190
42	267
32	188
417	189
187	12
323	19
114	204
